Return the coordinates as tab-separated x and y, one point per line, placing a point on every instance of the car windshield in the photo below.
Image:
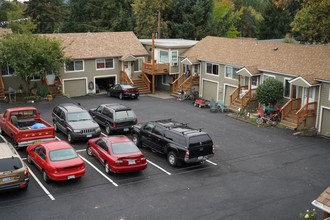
124	148
121	115
12	163
62	154
79	116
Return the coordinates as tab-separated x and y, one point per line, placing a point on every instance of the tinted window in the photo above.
158	130
200	139
176	138
62	154
124	148
127	86
12	163
121	115
107	112
79	116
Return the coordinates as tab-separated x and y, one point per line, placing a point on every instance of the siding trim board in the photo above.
299	81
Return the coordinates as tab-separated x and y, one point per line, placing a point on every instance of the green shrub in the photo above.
43	91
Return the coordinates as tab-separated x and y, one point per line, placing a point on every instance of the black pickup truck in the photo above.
114	117
176	140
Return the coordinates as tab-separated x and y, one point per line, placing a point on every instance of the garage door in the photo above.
228	91
325	124
210	90
75	87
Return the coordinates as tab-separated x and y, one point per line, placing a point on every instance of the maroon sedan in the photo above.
118	154
57	160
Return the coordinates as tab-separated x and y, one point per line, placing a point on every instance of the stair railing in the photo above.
146	80
292	104
234	95
126	78
304	112
176	83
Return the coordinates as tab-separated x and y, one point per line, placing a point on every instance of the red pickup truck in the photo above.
25	127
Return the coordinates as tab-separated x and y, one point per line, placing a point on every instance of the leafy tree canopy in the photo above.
270	91
31	55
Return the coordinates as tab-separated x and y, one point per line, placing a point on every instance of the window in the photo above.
174	58
212	69
7	70
254	81
76	65
195	69
138	64
104	64
35	77
231	72
163	56
266	76
286	88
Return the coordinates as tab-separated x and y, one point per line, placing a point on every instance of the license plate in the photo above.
200	158
71	177
6	179
89	135
130	162
126	129
133	94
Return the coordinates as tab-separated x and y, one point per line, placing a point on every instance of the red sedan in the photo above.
57	160
118	154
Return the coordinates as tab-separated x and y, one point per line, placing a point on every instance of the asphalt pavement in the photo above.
256	173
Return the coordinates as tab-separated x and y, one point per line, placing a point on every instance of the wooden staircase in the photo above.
290	120
2	89
184	84
236	105
141	85
53	89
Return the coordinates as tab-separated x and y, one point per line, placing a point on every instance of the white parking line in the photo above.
81	150
110	180
211	162
103	134
168	173
41	185
57	138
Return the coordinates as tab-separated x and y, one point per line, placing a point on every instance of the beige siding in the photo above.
325	122
228	90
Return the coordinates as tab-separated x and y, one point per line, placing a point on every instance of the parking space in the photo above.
248	162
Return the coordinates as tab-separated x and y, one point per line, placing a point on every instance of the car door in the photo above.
117	90
96	148
103	151
97	115
146	138
40	158
61	121
157	138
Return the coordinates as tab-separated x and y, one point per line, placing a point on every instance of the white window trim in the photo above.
97	69
83	62
211	74
9	75
231	74
286	78
138	58
177	57
168	56
329	95
268	75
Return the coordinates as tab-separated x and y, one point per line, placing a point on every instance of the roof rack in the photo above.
191	131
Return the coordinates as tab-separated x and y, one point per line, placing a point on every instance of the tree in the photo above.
276	23
146	18
100	15
48	15
249	21
31	55
312	23
270	91
224	19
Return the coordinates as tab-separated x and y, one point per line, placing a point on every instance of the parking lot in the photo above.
256	173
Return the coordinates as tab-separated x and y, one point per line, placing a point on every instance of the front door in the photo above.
311	97
50	76
128	68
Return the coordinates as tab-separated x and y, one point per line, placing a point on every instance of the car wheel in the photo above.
120	96
29	160
107	129
55	126
107	168
136	140
108	93
70	140
45	177
89	151
172	159
259	121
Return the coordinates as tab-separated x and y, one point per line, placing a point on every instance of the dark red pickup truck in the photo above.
25	127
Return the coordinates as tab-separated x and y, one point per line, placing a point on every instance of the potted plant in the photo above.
49	96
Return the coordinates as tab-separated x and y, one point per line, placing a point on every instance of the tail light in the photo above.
26	172
114	124
186	156
143	158
119	161
126	91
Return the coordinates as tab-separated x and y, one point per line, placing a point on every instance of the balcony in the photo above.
159	68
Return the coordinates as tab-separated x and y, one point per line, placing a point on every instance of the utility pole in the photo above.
158	35
153	64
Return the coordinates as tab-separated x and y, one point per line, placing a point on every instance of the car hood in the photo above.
83	124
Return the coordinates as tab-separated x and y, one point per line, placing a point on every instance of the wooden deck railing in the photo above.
234	95
248	97
176	83
146	80
2	85
293	104
304	112
159	68
126	78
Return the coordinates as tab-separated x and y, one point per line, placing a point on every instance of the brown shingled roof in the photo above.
307	61
324	198
100	44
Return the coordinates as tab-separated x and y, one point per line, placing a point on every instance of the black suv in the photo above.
178	141
114	117
75	122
